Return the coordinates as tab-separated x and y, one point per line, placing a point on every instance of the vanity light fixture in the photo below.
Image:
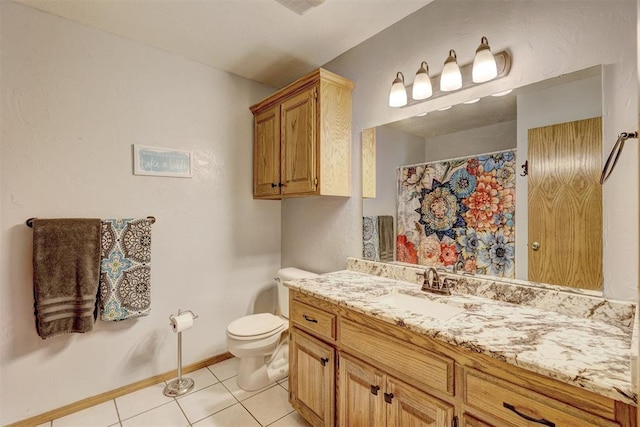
484	63
451	77
486	66
422	83
444	108
503	93
398	94
421	115
472	101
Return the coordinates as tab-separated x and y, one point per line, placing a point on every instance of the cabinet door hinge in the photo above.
315	181
315	92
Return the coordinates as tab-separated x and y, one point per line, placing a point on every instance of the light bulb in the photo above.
484	64
398	94
422	84
451	78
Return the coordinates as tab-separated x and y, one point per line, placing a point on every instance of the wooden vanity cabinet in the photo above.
520	406
302	139
469	421
371	398
387	375
312	362
312	378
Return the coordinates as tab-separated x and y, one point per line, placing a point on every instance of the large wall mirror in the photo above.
553	131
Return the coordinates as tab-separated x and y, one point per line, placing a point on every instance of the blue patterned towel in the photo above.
371	238
125	271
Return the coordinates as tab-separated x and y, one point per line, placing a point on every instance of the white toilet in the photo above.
261	340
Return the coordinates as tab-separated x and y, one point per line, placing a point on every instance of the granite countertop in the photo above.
587	353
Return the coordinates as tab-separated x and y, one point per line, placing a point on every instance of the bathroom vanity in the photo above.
368	350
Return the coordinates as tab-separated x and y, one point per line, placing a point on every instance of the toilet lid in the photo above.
255	324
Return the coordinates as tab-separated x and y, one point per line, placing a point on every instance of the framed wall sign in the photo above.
161	161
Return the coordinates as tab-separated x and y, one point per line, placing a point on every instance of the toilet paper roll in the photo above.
181	322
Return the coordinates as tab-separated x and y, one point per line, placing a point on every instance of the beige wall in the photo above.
74	100
545	39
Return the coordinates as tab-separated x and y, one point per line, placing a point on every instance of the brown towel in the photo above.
387	237
66	273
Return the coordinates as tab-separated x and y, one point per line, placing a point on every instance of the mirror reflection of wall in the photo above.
487	126
392	149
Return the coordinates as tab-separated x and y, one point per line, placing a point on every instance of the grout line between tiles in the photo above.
250	413
184	413
117	411
285	415
247	409
150	409
240	402
204	388
220	410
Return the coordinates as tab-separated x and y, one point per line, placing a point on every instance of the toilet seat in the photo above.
256	326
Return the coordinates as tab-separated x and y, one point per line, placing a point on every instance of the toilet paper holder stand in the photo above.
180	385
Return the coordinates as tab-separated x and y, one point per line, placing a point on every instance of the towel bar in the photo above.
29	222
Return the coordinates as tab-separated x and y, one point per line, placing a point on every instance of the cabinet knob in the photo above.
323	361
274	185
374	389
535	246
388	397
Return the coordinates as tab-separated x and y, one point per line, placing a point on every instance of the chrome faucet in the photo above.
458	267
432	283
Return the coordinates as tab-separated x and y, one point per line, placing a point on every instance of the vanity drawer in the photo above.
522	407
314	320
405	361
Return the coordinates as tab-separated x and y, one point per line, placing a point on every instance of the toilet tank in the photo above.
284	274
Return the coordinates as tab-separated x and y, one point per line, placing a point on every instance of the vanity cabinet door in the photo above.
370	398
408	406
312	378
360	398
469	421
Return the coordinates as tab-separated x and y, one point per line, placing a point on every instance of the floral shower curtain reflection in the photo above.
459	210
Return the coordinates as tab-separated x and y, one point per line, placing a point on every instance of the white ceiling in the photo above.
257	39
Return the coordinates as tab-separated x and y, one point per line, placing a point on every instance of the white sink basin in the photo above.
419	305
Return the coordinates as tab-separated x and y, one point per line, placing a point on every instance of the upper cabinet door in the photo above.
266	154
299	143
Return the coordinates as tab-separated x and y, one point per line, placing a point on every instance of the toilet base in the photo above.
255	373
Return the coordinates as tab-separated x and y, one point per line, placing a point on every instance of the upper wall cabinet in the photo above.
302	139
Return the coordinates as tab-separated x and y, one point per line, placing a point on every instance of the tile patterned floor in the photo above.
215	401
